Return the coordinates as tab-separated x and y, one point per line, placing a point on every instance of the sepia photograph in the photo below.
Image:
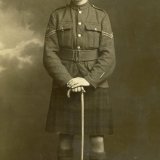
79	80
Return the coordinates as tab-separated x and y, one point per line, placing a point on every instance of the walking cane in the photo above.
82	125
82	121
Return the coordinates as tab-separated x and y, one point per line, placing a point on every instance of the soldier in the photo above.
79	55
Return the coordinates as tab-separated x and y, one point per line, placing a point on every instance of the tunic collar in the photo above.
81	7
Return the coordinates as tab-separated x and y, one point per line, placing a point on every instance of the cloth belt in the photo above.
78	55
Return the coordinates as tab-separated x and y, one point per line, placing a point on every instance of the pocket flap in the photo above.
93	27
66	26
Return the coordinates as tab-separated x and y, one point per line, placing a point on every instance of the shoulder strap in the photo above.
97	8
60	7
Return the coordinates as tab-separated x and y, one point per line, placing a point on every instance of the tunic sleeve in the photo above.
106	60
51	60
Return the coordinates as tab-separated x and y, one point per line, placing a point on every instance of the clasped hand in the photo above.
77	84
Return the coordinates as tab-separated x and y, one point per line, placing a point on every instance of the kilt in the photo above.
64	115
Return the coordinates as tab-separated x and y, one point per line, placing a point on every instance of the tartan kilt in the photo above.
64	115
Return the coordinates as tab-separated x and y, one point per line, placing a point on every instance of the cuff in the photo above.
64	81
91	81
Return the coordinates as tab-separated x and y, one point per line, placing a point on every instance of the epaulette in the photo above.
98	8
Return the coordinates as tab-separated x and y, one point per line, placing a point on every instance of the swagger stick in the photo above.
82	125
82	120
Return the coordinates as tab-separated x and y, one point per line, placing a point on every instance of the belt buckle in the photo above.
76	55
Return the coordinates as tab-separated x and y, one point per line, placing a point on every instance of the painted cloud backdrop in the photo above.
23	80
16	37
25	85
21	33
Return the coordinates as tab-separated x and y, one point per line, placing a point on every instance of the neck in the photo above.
81	2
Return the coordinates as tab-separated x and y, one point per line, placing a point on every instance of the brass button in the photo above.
95	29
79	23
80	12
78	47
79	35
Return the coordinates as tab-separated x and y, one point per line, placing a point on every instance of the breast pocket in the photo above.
93	32
64	32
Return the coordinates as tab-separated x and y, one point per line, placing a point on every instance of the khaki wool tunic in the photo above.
79	43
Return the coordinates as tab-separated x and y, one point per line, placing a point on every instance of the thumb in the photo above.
69	93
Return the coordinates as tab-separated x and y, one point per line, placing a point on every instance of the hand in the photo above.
77	82
78	89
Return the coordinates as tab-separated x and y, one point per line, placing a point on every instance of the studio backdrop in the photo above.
25	86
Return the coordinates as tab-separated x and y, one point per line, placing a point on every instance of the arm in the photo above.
51	60
106	61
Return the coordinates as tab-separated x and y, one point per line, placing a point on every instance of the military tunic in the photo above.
79	43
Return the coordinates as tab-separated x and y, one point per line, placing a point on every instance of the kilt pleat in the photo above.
64	115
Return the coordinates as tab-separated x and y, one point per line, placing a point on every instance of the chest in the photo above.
79	28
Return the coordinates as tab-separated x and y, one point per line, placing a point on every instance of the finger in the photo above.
71	85
76	85
70	82
74	90
79	89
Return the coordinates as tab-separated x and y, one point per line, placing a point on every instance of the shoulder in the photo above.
100	11
59	10
98	8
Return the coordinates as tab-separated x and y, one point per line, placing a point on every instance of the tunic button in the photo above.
79	23
95	29
80	12
79	35
78	47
